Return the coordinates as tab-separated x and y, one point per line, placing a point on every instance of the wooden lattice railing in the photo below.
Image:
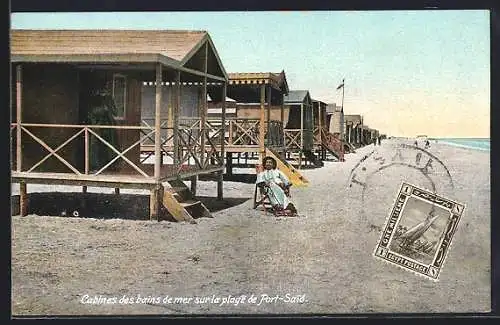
237	131
189	146
293	139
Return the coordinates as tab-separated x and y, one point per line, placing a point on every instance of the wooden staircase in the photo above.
310	156
181	204
332	145
290	172
351	147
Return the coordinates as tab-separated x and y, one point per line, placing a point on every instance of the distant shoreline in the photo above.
474	144
481	144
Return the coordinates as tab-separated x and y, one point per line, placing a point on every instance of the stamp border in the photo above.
386	223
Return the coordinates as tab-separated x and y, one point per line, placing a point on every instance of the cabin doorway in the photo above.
97	108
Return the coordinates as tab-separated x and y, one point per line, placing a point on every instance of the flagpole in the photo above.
343	86
342	113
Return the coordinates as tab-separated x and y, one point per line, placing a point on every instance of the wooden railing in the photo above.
189	146
317	132
332	142
79	131
293	139
237	131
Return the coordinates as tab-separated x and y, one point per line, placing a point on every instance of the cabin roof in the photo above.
296	96
277	80
175	44
171	47
318	101
352	118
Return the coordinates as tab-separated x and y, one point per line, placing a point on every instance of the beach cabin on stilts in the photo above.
333	138
353	129
255	127
299	138
365	135
78	115
320	127
374	135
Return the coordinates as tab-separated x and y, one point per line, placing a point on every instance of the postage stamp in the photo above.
418	232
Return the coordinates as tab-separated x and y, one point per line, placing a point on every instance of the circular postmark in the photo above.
377	176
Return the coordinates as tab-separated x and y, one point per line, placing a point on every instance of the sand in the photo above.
319	263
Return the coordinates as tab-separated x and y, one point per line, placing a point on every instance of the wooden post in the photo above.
223	122
117	190
155	202
220	184
194	182
268	114
157	167
204	108
176	118
170	121
311	107
18	117
87	161
301	126
229	163
320	123
262	118
282	116
23	199
220	180
84	189
282	110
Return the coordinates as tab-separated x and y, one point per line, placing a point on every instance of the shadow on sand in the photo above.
103	206
240	178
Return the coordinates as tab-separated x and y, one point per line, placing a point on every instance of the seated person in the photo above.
276	185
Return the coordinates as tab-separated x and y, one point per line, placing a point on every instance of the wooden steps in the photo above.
181	203
311	157
291	172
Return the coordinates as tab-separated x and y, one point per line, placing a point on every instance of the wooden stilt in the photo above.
19	88
194	182
23	199
117	190
262	122
155	202
220	183
229	163
158	103
84	189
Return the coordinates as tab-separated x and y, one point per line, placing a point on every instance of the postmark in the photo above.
376	174
419	230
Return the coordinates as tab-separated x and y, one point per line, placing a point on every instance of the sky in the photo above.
407	72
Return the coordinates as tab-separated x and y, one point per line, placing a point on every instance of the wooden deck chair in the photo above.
261	199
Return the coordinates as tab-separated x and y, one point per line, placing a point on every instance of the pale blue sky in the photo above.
407	72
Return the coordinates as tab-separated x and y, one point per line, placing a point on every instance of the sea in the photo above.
471	143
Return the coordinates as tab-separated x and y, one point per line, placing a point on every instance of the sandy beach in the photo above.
319	263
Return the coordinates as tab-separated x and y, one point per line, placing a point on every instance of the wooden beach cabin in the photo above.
374	134
299	127
63	132
320	126
365	135
254	125
353	129
260	112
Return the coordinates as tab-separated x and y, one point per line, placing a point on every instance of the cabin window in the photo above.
120	95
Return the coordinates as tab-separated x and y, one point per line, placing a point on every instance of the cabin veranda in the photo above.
81	116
